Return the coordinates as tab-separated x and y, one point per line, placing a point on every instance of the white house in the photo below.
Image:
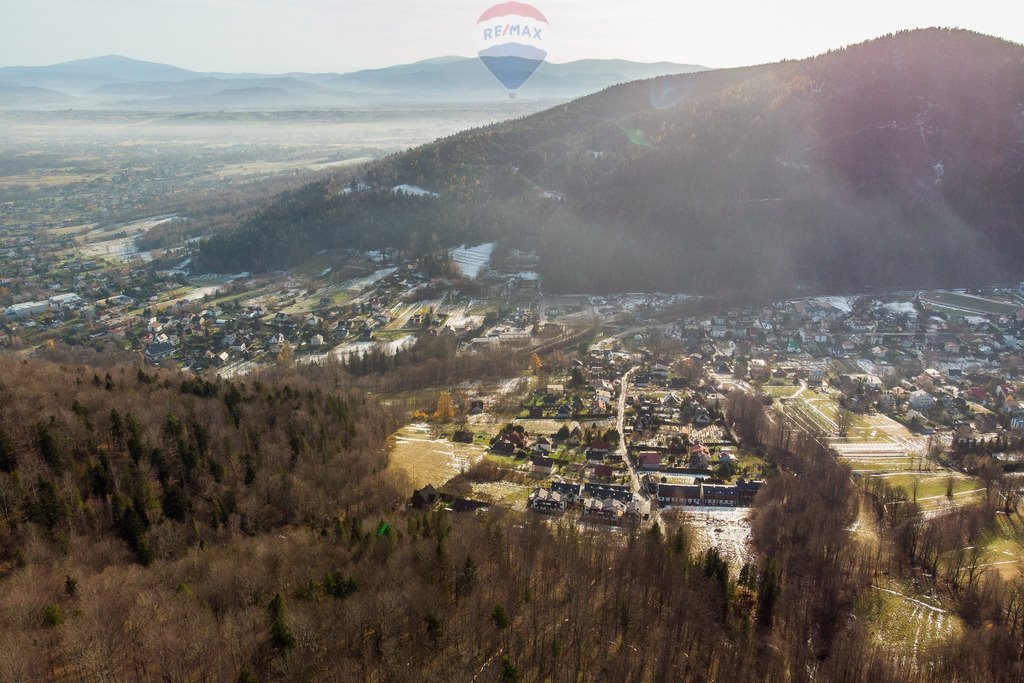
920	400
25	310
64	300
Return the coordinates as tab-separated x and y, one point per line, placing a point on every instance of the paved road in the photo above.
620	424
799	390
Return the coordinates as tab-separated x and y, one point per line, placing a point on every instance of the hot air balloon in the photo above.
511	39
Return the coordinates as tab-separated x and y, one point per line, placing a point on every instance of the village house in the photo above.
740	494
541	466
699	457
547	500
425	498
649	461
920	400
595	489
758	368
607	510
571	491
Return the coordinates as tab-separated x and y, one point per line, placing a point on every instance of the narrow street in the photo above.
620	423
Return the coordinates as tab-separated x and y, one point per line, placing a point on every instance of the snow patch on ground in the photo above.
412	190
357	348
840	302
362	283
900	307
460	318
727	529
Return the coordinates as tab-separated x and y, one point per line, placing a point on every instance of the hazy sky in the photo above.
342	35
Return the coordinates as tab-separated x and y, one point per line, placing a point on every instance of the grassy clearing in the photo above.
870	465
966	304
389	335
316	264
907	624
303	306
930	485
751	465
779	391
1004	547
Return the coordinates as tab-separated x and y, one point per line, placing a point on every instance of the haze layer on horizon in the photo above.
278	36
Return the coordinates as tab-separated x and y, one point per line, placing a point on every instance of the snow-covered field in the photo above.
345	350
727	529
471	260
118	242
899	307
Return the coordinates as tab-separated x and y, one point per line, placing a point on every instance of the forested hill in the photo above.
899	161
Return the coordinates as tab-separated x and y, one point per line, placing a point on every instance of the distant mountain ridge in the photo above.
113	81
898	162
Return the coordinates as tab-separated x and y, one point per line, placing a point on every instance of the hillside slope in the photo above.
158	462
895	162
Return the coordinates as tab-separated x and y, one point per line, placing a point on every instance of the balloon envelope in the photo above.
512	41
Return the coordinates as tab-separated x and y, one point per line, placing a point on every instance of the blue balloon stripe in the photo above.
513	50
510	71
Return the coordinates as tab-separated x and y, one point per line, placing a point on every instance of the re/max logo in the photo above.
512	30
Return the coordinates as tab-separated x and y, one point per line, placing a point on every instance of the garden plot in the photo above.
709	434
429	460
868	434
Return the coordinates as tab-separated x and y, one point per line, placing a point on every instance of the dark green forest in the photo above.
897	162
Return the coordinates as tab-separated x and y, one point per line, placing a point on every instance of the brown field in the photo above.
506	493
428	460
48	179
